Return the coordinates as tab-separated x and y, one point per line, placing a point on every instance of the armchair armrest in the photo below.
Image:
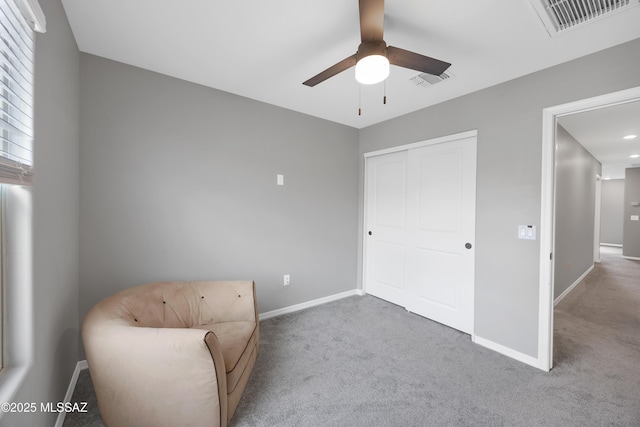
159	376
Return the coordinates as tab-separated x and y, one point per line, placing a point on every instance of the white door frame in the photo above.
438	140
547	233
596	217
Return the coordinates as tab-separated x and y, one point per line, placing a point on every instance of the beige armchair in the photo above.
172	353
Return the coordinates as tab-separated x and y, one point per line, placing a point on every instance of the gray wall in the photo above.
55	218
612	212
575	200
508	118
631	229
178	182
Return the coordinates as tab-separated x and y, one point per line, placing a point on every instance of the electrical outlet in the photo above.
286	280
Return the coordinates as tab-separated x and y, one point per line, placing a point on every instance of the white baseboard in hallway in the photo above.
573	285
309	304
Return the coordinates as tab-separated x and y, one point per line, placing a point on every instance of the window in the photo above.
16	95
18	21
16	112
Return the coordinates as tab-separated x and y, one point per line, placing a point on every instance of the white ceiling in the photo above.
264	50
602	133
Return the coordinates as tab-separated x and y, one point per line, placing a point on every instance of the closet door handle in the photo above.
468	245
370	233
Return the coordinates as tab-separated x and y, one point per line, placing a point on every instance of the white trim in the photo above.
81	365
615	245
11	381
545	296
597	216
309	304
432	141
549	115
33	13
520	357
365	223
631	257
573	285
18	291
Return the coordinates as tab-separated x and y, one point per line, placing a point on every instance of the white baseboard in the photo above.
615	245
286	310
573	285
309	304
509	352
72	386
631	257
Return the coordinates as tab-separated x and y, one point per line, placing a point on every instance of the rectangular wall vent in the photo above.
562	15
426	80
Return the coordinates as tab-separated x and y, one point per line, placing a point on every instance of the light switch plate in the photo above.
527	232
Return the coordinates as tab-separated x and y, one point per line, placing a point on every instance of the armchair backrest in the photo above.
182	304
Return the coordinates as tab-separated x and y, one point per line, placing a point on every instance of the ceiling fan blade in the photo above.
371	20
415	61
332	71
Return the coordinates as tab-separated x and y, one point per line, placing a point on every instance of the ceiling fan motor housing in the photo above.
368	48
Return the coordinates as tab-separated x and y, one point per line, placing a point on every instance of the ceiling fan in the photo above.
374	56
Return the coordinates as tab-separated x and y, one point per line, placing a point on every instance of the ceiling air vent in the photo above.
562	15
426	80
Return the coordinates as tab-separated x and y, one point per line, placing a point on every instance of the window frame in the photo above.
18	333
16	256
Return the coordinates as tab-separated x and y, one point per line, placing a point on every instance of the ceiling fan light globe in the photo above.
372	69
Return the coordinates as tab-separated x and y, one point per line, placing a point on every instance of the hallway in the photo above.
597	332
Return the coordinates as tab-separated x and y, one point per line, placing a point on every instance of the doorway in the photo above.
547	234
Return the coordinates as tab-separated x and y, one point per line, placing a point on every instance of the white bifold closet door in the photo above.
420	230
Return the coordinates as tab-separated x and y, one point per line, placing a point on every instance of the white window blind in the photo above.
16	95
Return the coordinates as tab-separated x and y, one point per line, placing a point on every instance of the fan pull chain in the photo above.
359	99
384	99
